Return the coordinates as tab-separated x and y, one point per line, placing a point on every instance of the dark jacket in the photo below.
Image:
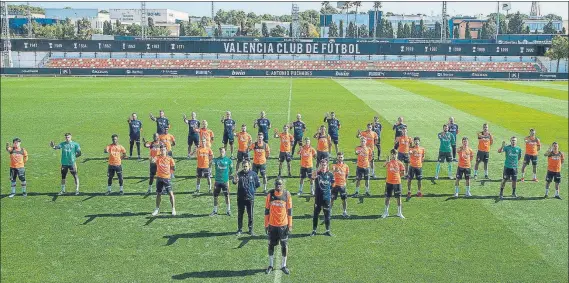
247	185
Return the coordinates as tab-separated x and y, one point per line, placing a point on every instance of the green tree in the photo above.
278	31
134	30
265	30
549	29
107	28
527	30
422	29
413	29
400	31
406	31
563	31
559	50
503	26
255	33
553	17
467	34
341	28
516	24
483	33
327	9
182	28
363	32
379	28
455	32
351	30
437	31
84	30
23	9
333	30
150	23
195	29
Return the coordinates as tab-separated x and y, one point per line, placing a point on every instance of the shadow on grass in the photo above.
339	217
92	217
217	274
202	234
245	240
183	215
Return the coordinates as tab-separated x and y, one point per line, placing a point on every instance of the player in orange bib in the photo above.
465	157
116	154
324	145
206	133
154	147
165	168
278	222
485	140
371	141
555	159
402	144
168	138
18	159
244	141
341	172
285	150
364	154
533	146
307	154
393	182
261	152
416	158
204	155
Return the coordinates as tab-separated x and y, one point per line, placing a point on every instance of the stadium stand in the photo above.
148	63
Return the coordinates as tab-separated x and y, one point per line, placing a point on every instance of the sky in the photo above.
280	8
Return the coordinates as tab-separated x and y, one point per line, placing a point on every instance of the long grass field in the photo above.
98	238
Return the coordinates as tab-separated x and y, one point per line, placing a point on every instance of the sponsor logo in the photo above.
134	72
237	73
30	71
289	73
376	74
103	72
445	75
170	72
203	72
478	75
551	76
411	74
342	74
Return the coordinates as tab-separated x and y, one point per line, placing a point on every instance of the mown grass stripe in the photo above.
557	94
541	103
517	118
543	84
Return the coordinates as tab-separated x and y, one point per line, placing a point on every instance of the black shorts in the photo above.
321	155
334	138
341	190
242	156
416	173
163	184
445	156
555	176
220	187
228	138
170	153
403	157
260	169
194	139
510	173
153	169
463	172
203	173
265	136
66	168
482	156
532	158
20	173
392	190
277	234
305	172
135	137
362	173
285	156
112	169
297	140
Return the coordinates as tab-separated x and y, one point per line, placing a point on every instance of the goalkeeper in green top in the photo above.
223	169
70	150
513	156
445	151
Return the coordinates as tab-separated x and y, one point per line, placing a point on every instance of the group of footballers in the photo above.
405	160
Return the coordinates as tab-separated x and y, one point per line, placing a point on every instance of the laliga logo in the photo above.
173	46
25	45
148	46
402	48
50	45
75	45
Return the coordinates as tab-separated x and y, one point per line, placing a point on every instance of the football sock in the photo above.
215	208
438	170
456	189
475	172
467	189
386	209
63	188
357	190
546	191
228	207
271	260
486	172
121	188
13	185
300	187
556	193
399	209
197	187
24	188
449	166
109	188
534	176
283	263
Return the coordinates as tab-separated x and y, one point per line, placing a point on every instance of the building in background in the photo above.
226	30
474	23
272	24
359	19
93	15
160	16
539	23
429	21
565	26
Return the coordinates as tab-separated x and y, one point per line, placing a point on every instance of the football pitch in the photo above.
98	238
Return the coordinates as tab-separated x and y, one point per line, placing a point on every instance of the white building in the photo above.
160	16
93	15
272	24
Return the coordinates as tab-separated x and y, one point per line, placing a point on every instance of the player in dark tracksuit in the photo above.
323	180
134	128
377	127
264	125
161	122
193	136
228	131
333	128
247	183
299	129
399	126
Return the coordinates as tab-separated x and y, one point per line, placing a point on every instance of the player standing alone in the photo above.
278	222
555	159
465	156
116	153
70	150
134	129
333	128
247	183
18	159
513	156
533	146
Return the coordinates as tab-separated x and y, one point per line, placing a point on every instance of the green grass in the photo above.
96	238
535	90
